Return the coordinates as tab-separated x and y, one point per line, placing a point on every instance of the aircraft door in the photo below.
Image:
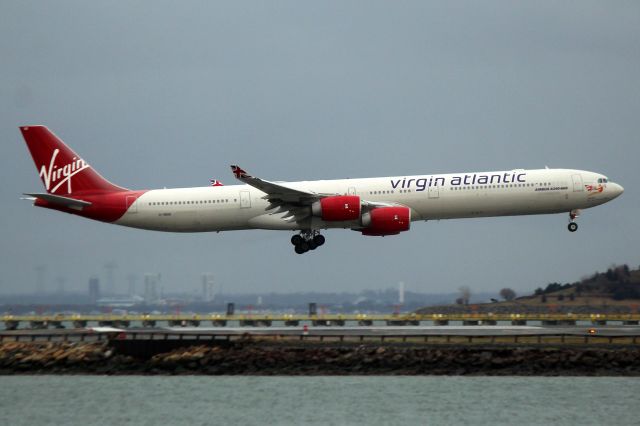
245	199
434	192
352	190
577	183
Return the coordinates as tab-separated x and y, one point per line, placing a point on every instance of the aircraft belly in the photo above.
279	222
483	204
222	219
272	221
179	220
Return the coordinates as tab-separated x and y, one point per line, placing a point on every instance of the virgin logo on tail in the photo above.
58	176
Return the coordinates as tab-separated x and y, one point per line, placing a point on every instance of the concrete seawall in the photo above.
261	358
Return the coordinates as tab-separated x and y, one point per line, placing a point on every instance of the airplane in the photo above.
378	206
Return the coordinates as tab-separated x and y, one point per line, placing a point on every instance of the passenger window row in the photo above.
172	203
509	185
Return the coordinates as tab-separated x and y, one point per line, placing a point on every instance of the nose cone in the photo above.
615	189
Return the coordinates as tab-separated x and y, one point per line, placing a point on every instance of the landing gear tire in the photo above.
307	240
302	248
573	214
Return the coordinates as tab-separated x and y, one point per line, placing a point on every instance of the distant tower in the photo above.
61	281
132	279
151	287
94	289
110	268
40	270
208	291
401	293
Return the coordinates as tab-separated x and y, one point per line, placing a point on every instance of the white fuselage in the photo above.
447	196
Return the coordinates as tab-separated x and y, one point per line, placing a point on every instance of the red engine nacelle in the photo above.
338	208
386	221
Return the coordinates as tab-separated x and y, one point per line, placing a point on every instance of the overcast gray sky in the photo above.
157	94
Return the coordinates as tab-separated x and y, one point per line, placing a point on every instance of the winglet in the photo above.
215	182
239	173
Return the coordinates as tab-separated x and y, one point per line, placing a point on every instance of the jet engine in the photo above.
383	221
338	208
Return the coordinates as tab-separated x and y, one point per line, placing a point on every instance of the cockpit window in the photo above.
600	180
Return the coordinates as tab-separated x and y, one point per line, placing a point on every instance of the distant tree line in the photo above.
616	282
550	288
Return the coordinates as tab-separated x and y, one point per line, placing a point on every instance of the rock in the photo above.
314	359
397	358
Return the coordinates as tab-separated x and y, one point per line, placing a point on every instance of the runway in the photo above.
629	335
467	330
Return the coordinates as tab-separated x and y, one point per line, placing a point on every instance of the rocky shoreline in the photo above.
285	359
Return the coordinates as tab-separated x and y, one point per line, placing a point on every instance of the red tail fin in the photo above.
63	172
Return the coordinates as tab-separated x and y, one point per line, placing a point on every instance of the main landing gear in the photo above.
307	240
573	226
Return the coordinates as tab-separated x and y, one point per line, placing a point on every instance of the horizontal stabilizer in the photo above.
62	201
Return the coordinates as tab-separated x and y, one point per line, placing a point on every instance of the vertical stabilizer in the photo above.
63	172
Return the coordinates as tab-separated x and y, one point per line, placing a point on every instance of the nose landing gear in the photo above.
307	240
573	226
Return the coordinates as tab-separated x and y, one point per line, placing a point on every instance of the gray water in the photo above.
200	400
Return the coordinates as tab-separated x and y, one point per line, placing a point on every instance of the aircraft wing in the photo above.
293	201
278	193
